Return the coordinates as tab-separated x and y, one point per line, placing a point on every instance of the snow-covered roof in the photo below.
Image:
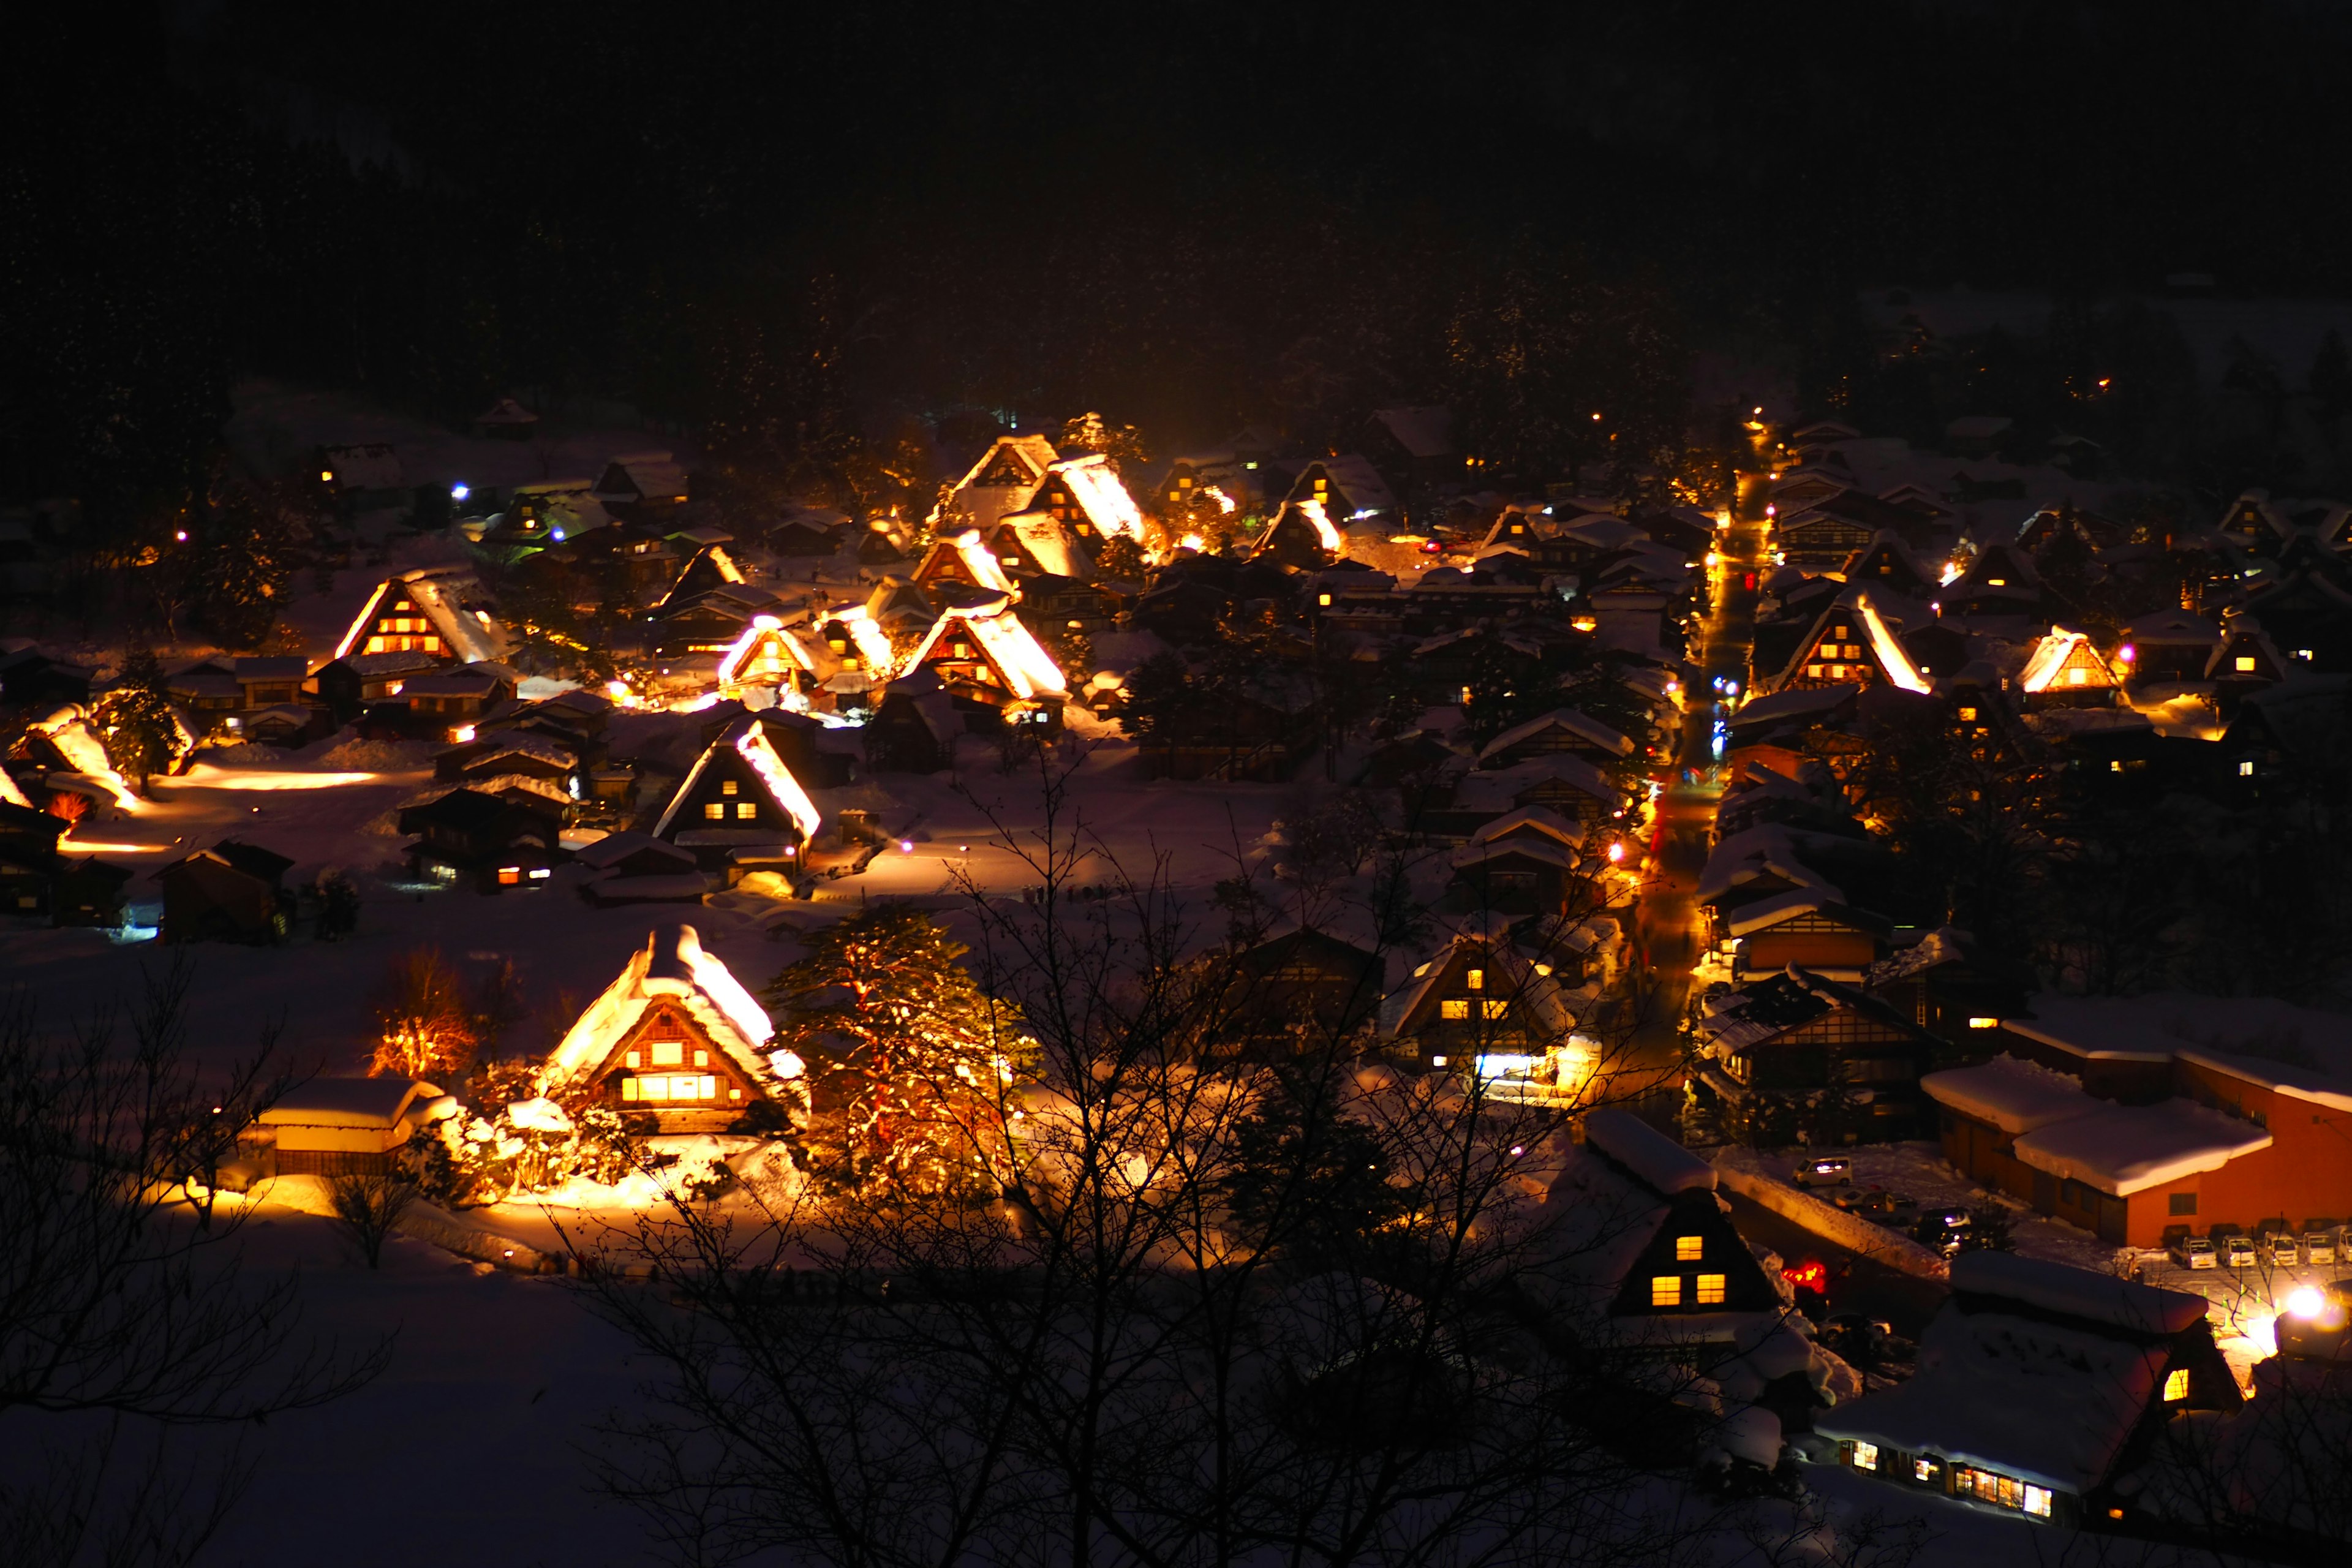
1028	670
1811	901
1048	539
441	594
978	560
2077	1292
1035	452
2127	1149
1101	496
614	847
2054	653
2049	1404
749	739
2171	628
1779	705
1423	432
1500	788
673	966
2299	1051
1479	851
1541	819
1647	1153
1583	725
348	1102
2009	1093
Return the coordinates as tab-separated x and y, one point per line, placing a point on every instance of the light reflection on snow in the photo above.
207	775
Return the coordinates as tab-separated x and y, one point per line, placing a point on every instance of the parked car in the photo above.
1943	1229
1857	1337
1826	1171
2237	1250
2319	1244
2283	1248
2193	1252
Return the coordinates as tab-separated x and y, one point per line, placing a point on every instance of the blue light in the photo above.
458	492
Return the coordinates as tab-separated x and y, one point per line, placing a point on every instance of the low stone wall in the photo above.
1736	1169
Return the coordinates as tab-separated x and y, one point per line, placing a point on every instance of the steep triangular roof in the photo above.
673	966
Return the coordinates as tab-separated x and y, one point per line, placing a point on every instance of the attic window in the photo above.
1843	632
667	1053
1665	1291
1324	600
2078	677
1997	581
2245	663
1476	980
727	786
1689	1248
1967	715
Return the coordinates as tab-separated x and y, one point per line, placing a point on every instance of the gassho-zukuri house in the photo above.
2040	1389
675	1037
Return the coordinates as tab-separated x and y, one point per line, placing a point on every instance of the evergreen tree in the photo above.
239	567
908	1061
2330	382
135	722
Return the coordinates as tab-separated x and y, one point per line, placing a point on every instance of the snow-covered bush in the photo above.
529	1146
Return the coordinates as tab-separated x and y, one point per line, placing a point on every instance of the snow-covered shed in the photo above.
345	1126
2039	1386
675	1036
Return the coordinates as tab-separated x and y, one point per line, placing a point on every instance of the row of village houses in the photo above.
2044	1393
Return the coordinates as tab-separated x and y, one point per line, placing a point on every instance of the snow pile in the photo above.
376	756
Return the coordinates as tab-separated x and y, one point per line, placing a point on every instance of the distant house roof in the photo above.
351	1102
1583	726
447	597
250	858
1424	432
642	476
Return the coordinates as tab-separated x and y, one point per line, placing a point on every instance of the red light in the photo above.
1808	1276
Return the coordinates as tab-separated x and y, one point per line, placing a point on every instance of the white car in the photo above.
2194	1252
2238	1250
2283	1248
2319	1246
1825	1172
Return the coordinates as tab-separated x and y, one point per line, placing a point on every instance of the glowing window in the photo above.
2246	770
1324	599
1984	1022
669	1052
1923	1470
2078	677
1710	1290
632	1059
1967	715
1476	980
1437	1061
1865	1456
2037	1501
1457	1008
629	1085
1493	1008
727	786
747	812
1689	1248
1812	672
510	875
2245	663
2176	1386
702	1059
1666	1291
1997	582
714	812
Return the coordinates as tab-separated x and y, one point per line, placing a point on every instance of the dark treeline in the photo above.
791	227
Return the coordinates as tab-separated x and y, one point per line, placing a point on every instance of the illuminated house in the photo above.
740	806
2040	1388
1641	1252
1005	478
1850	644
2001	581
675	1037
1348	488
710	567
1085	496
1301	535
962	558
1480	1001
2245	657
2065	670
1039	543
1818	537
767	653
435	611
984	654
1808	927
344	1126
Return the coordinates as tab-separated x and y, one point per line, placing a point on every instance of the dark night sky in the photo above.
1190	212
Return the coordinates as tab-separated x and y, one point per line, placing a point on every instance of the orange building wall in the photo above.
1768	949
2306	1174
